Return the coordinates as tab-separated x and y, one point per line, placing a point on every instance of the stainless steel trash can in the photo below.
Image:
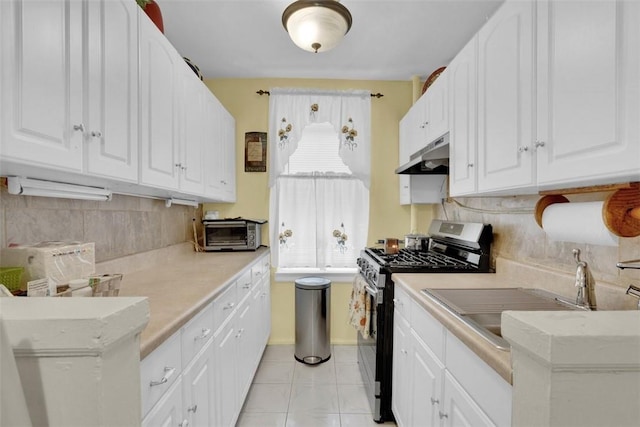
313	325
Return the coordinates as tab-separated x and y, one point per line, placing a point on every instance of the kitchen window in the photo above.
319	202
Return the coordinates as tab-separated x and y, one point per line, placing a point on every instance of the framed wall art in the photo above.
255	152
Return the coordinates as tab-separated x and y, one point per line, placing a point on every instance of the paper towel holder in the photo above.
620	210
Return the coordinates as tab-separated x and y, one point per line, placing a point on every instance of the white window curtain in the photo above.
319	220
338	208
349	112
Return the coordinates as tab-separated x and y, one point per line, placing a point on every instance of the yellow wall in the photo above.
387	217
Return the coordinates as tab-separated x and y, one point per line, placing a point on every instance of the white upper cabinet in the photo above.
193	131
111	119
505	98
42	83
158	108
463	119
437	109
220	154
70	95
588	92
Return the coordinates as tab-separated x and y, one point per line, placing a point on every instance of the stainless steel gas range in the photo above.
454	247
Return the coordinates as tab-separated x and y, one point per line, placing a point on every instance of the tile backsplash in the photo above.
123	226
517	236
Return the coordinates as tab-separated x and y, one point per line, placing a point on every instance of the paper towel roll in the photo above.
578	223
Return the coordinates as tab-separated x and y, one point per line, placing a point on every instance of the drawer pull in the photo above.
434	401
442	415
193	409
397	301
228	306
246	285
168	373
205	333
184	423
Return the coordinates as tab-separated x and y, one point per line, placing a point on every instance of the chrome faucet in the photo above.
631	290
585	283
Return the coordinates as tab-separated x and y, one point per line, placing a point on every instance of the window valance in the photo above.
349	112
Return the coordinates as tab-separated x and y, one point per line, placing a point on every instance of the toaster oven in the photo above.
235	234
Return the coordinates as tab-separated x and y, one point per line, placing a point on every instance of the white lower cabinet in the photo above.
198	388
458	408
437	380
201	375
401	374
225	385
168	411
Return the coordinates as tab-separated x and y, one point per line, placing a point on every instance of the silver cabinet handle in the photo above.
178	165
184	423
523	149
168	373
205	333
193	409
470	165
434	401
246	285
396	301
539	144
442	415
228	306
79	127
96	134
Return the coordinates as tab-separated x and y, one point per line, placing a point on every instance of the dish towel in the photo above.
360	307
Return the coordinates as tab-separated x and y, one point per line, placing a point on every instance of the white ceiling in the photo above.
389	39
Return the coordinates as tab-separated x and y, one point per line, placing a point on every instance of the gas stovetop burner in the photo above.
418	259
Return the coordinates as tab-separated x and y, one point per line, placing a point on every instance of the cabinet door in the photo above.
168	411
198	389
265	302
437	108
458	408
505	98
401	376
463	120
246	349
112	90
160	164
220	152
229	141
42	83
404	147
224	373
588	92
427	374
192	131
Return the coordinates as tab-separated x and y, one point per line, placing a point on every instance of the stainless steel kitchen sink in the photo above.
481	308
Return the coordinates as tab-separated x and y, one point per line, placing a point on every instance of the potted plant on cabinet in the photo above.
152	10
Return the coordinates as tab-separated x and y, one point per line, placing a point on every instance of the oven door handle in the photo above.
374	292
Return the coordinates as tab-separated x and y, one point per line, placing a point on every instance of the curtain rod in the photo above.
266	92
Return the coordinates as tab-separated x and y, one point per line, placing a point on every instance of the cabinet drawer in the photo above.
196	334
402	302
244	285
428	329
159	370
224	305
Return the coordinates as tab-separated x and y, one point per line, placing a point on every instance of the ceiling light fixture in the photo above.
37	187
316	25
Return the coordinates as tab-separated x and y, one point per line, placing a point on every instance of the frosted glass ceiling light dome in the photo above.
316	25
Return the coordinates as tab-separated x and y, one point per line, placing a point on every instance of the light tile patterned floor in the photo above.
287	393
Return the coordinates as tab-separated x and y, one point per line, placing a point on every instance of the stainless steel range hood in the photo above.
431	160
